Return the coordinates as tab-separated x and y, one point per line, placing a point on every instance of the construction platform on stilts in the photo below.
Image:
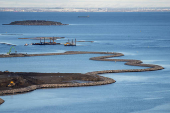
46	43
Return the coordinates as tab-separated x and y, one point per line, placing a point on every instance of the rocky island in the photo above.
35	22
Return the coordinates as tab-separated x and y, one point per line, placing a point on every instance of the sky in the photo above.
85	3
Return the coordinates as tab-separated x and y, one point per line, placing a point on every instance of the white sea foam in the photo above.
151	61
3	42
97	41
163	91
166	65
57	51
126	78
154	46
148	83
90	24
153	98
164	108
163	39
128	53
82	24
60	51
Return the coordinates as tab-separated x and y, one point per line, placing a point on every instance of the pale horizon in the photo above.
86	3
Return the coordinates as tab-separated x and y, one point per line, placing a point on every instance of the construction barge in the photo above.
70	43
47	43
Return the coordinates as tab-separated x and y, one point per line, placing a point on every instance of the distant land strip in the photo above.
35	22
38	38
11	34
103	80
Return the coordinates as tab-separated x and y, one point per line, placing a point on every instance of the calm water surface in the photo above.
143	36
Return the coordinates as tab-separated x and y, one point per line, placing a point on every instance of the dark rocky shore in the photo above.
1	101
25	79
35	22
31	81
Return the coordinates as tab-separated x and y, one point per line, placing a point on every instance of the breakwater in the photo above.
102	81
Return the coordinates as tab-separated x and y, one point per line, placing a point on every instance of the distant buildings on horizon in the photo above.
60	9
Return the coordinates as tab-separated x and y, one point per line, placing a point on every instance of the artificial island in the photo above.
35	22
20	82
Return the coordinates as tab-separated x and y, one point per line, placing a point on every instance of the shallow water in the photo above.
142	36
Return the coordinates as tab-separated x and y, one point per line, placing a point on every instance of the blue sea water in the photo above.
142	36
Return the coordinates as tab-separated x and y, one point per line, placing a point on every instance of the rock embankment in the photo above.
103	81
1	101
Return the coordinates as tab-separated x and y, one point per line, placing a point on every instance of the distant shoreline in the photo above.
84	10
101	81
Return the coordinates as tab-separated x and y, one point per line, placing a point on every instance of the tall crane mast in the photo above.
10	50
